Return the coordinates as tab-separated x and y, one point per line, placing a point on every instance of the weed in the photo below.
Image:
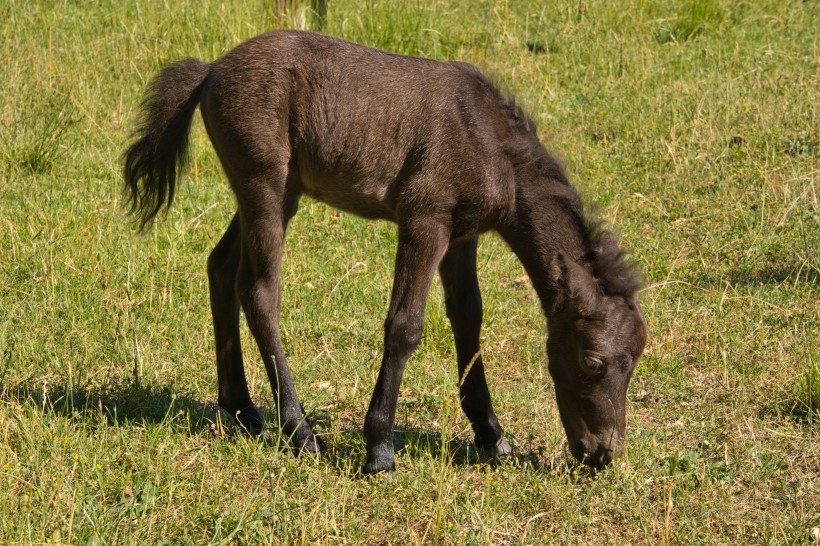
35	139
694	18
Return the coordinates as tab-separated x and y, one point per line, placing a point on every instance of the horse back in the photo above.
369	132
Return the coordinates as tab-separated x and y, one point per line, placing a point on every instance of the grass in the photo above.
693	125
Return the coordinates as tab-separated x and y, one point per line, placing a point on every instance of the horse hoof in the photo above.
249	420
500	448
379	466
313	445
384	474
503	448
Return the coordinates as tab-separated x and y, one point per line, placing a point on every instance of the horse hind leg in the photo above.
464	309
233	395
266	204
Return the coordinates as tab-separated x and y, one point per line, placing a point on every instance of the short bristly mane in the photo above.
616	276
609	264
522	142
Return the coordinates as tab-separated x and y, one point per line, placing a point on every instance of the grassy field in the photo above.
692	124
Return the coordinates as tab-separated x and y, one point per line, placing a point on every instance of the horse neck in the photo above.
548	219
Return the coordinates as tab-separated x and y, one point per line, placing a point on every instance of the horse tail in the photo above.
155	160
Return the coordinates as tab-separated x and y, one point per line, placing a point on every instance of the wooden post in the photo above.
316	19
319	8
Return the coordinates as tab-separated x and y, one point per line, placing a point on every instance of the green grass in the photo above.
693	125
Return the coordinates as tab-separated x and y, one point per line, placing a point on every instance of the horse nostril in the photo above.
595	458
578	451
600	458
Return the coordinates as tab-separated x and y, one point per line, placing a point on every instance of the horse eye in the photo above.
593	364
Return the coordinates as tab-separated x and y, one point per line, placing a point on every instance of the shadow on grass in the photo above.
131	404
346	451
119	404
796	409
755	275
418	443
799	402
776	274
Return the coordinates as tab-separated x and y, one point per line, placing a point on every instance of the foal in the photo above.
432	146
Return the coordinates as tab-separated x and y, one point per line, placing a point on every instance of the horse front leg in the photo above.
462	298
233	395
422	243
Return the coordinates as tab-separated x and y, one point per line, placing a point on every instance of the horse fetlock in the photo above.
245	415
310	445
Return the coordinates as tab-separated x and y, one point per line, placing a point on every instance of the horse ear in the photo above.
575	284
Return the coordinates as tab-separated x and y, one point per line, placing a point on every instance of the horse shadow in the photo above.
119	404
758	275
137	404
346	449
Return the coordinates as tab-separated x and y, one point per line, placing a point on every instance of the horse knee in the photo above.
402	333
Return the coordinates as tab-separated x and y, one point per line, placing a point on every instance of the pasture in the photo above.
691	125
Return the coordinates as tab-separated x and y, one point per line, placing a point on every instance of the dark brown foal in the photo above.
432	146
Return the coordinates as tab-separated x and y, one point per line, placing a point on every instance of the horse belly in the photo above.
341	187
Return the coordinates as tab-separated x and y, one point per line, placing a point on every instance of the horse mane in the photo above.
609	263
524	143
518	118
521	140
